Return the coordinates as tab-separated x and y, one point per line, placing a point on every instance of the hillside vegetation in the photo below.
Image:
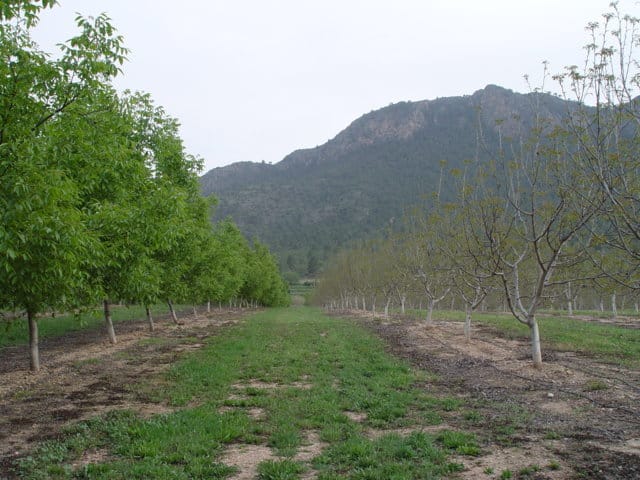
385	162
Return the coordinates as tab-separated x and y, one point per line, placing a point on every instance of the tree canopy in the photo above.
99	201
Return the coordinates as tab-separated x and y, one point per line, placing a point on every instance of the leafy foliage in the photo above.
98	199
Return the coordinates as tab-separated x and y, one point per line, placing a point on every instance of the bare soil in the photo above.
576	417
83	375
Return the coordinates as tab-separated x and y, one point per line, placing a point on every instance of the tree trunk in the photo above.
536	352
636	307
195	311
152	326
364	304
614	306
403	299
172	312
386	309
208	306
467	323
34	351
601	304
430	310
570	308
107	318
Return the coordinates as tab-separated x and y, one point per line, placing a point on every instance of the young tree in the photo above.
471	279
400	247
263	283
44	241
604	125
115	194
228	260
530	209
383	274
43	234
180	221
334	285
431	268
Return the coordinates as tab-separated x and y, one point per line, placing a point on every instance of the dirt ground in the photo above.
83	375
577	416
574	418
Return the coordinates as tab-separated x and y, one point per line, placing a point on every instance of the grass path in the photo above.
317	396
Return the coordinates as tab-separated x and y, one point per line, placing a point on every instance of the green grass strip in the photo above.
304	372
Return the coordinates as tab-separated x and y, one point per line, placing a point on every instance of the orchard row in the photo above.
99	201
552	212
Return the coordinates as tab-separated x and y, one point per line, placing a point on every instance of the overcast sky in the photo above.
256	79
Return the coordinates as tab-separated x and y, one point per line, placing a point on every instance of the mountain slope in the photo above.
352	186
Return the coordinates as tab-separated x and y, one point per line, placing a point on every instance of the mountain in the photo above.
321	198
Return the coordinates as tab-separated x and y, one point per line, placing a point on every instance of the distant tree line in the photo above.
99	202
552	217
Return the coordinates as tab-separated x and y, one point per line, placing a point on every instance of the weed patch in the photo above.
595	385
461	442
280	470
391	456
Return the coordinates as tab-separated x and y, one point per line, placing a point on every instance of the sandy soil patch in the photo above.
375	433
311	448
89	457
537	458
246	459
358	417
